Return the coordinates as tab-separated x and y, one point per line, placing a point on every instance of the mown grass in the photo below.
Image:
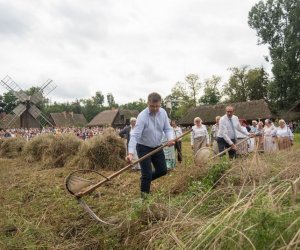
249	203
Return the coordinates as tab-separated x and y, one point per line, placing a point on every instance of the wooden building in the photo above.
113	118
68	119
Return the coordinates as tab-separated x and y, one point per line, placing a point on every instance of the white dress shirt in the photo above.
149	129
225	128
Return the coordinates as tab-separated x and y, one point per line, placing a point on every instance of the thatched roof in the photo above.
68	119
114	118
104	118
246	110
124	117
6	118
294	112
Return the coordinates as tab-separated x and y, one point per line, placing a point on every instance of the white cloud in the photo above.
127	48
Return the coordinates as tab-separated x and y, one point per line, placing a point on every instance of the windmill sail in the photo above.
38	115
11	85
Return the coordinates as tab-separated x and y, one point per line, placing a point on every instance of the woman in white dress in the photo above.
199	136
283	135
269	143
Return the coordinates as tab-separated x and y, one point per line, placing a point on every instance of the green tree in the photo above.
179	99
257	84
10	101
137	105
211	92
236	89
277	24
245	85
76	107
193	86
98	99
111	101
89	109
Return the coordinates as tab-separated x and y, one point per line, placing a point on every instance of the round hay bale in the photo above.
203	155
35	148
12	147
60	150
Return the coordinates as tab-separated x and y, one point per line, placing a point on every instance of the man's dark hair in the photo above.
154	97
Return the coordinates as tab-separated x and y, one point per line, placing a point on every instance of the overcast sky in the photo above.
129	48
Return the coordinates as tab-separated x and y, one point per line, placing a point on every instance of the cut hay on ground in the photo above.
12	147
105	151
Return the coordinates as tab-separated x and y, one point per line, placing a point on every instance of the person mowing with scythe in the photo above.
147	135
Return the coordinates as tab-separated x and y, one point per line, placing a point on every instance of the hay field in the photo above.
251	203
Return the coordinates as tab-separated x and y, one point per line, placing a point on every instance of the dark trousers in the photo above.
147	174
222	145
178	148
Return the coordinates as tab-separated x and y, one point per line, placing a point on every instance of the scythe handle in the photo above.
92	188
228	149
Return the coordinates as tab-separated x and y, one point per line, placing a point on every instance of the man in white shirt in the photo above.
228	125
151	124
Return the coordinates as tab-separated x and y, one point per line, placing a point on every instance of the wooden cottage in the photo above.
114	118
293	114
68	119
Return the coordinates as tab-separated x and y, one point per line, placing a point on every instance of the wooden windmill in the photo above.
30	115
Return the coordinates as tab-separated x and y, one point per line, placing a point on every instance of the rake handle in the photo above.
92	188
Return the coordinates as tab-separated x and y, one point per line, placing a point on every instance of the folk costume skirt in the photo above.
199	142
284	143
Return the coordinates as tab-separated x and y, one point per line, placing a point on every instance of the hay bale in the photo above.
106	151
12	147
60	150
35	148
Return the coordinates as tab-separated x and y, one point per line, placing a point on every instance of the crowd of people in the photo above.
231	132
82	133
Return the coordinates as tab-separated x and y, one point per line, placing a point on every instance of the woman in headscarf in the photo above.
199	136
283	135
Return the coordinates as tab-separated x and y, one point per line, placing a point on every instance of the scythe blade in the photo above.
91	213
